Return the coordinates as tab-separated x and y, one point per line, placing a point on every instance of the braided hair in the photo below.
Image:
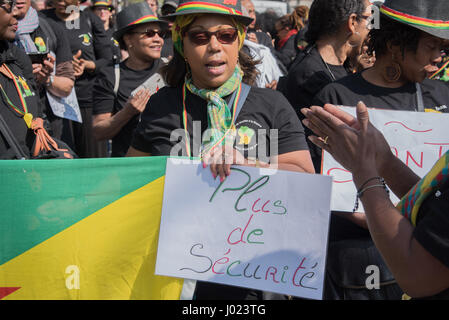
394	33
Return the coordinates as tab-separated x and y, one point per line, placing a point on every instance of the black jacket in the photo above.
20	65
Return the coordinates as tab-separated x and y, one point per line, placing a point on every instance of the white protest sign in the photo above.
260	229
419	139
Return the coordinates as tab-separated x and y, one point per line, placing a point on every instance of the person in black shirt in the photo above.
167	8
22	88
335	30
116	114
404	57
165	109
209	44
287	29
405	54
37	34
398	78
103	9
412	237
91	51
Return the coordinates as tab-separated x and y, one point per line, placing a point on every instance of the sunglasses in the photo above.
224	36
152	33
8	5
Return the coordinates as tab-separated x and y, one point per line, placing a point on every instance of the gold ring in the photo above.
325	139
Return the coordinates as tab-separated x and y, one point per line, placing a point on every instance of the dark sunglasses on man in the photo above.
202	37
7	5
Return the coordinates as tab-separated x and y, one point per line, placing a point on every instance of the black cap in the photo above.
133	15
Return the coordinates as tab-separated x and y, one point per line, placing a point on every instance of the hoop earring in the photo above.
394	71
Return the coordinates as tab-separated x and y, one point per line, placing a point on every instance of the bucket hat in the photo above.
133	15
431	16
231	8
102	3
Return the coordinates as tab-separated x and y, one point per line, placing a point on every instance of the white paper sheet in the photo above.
266	232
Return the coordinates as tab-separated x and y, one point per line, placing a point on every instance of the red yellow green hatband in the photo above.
409	19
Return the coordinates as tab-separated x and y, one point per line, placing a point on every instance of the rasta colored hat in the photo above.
231	8
172	3
430	16
133	15
102	3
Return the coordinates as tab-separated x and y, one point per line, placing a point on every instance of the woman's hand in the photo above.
353	142
220	159
137	103
78	65
272	85
88	65
44	70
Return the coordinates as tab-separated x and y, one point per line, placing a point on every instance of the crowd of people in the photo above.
147	80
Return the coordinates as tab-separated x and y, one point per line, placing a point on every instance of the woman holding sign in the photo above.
209	94
208	70
412	237
116	110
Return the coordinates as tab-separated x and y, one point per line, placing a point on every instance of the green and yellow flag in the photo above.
82	229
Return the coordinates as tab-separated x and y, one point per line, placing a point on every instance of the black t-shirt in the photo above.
105	100
90	37
167	48
263	109
432	229
354	88
114	44
19	63
307	76
57	43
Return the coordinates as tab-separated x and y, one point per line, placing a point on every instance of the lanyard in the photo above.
27	117
184	118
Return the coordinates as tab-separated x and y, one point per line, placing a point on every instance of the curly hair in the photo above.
394	33
300	16
327	16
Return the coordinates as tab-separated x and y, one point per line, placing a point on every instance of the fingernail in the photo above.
221	179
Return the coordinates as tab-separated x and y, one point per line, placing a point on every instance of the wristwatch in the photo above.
49	83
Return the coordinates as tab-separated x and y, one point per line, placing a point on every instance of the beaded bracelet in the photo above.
362	189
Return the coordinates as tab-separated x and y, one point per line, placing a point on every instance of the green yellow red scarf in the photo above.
219	117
